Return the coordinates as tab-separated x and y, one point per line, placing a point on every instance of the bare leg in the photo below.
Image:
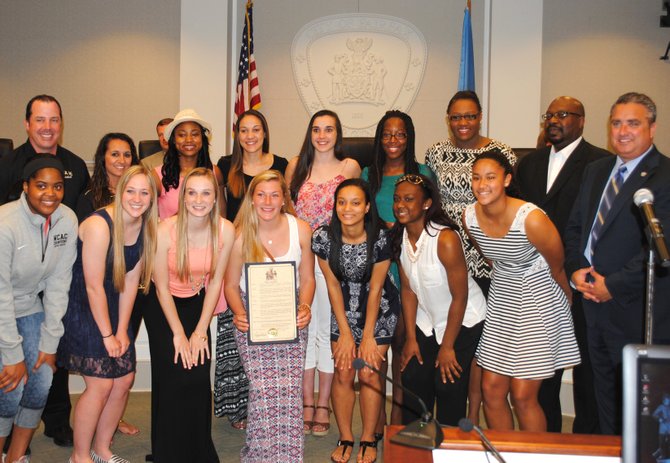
381	420
495	388
308	397
20	441
87	414
343	398
322	415
475	392
527	408
111	413
370	402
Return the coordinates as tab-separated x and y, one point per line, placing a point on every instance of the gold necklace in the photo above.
196	286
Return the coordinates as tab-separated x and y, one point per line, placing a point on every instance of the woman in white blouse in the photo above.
442	305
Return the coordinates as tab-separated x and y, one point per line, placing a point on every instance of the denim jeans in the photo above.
23	406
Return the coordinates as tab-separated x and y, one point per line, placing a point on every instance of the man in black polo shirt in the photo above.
44	120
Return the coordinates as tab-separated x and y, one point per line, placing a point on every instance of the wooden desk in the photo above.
505	441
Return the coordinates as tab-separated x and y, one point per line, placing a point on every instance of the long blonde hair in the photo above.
246	222
149	225
183	267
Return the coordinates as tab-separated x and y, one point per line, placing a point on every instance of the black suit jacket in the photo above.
558	201
621	250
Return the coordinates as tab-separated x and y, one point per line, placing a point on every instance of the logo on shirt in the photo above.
60	239
67	174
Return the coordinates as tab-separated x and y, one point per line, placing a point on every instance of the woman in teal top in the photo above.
394	157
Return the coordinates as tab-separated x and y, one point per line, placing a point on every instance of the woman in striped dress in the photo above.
528	333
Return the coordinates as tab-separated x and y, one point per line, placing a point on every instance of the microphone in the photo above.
425	433
466	425
644	199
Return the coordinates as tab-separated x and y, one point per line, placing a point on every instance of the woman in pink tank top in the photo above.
313	176
188	277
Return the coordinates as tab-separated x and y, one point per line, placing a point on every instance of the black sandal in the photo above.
379	436
345	444
366	445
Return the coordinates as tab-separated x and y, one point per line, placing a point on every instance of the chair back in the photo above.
148	147
6	146
362	149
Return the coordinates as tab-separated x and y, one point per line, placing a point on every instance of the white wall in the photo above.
597	50
114	66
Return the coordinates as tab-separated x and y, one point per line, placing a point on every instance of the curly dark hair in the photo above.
171	168
100	194
306	156
376	169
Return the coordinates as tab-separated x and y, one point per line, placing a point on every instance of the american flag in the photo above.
248	94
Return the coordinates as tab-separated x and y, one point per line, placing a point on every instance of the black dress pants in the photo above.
426	381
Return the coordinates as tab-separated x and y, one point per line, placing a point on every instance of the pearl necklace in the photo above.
413	255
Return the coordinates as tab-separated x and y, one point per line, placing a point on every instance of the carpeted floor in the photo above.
228	441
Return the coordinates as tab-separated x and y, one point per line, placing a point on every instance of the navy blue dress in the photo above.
81	348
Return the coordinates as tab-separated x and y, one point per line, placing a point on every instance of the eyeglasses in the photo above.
411	178
400	136
467	117
559	114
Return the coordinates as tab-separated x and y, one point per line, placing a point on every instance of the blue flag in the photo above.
466	75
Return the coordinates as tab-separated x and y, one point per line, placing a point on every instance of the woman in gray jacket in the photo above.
38	245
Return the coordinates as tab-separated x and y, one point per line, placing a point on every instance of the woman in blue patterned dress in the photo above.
528	332
355	255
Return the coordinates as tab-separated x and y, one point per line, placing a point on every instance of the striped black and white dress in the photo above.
528	332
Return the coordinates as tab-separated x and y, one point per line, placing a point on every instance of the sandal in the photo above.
379	436
323	427
308	425
364	445
345	444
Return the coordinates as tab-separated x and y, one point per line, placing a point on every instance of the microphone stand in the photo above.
649	302
424	433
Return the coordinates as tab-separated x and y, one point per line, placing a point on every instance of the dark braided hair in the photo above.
376	169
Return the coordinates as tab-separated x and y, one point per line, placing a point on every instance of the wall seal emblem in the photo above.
359	65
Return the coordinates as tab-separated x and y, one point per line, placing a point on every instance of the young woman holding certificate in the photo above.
267	231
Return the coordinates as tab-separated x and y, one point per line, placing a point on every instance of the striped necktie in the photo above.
611	191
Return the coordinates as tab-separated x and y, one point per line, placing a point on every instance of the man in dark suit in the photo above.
550	177
606	248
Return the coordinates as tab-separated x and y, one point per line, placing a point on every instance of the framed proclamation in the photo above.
271	302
